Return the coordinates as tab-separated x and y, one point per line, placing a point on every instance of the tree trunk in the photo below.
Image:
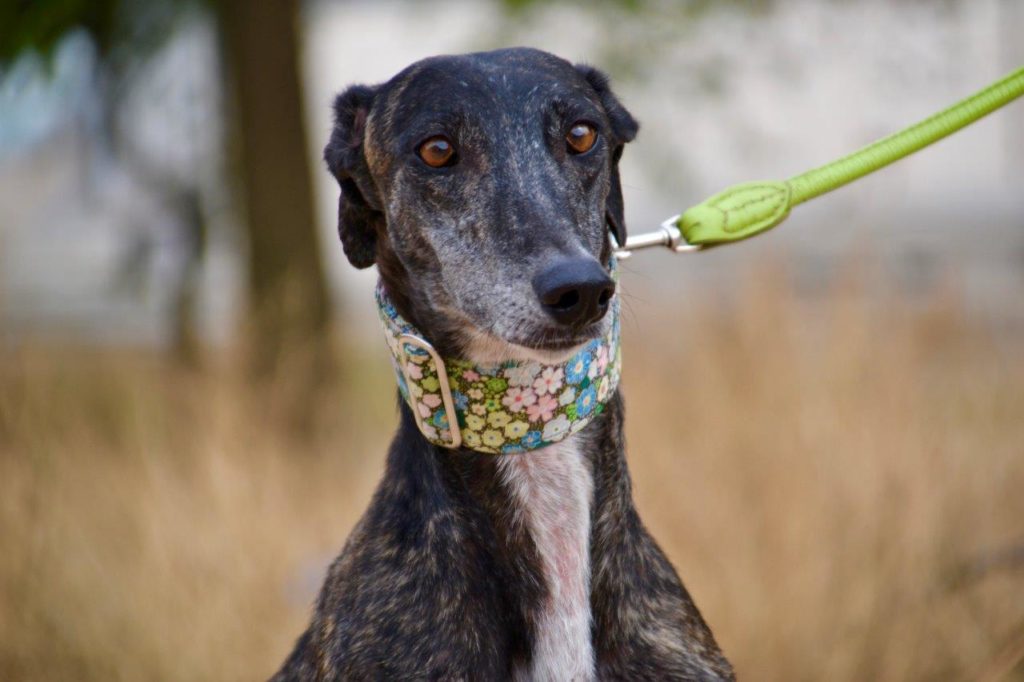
288	300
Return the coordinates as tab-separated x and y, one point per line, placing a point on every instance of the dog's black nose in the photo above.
574	291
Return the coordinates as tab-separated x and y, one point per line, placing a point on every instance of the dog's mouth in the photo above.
546	345
555	341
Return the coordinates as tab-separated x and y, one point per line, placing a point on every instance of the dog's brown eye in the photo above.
437	151
581	137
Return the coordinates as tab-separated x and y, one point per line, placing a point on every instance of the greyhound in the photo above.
502	542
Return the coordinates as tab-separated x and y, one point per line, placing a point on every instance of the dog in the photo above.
502	542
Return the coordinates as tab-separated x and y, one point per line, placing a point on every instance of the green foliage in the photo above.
38	25
116	27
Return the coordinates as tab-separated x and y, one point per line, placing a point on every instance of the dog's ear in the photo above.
624	129
359	213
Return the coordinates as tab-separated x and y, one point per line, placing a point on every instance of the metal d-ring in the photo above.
667	235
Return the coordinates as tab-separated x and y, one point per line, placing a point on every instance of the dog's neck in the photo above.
530	515
552	489
538	504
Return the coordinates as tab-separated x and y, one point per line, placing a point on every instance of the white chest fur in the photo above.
553	489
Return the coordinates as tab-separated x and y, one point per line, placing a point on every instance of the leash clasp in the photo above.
444	387
667	235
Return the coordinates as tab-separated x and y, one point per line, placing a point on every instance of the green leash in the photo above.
750	208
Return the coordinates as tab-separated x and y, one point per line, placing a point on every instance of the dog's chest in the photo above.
553	490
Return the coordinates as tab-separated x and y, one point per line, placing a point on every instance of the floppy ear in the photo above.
359	215
624	129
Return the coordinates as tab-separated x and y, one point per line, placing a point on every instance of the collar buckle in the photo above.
444	388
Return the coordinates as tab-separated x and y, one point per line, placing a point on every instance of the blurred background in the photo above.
826	423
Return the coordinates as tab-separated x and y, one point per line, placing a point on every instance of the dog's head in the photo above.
484	187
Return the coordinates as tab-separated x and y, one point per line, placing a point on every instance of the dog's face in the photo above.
484	187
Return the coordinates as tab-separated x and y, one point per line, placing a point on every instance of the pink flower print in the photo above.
415	372
602	359
549	381
475	393
543	409
478	408
424	410
430	432
470	375
518	399
432	400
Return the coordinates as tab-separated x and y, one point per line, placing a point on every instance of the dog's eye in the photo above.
581	137
437	151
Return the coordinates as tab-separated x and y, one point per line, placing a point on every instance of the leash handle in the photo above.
747	209
904	143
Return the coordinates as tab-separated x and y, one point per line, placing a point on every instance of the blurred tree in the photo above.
286	278
259	44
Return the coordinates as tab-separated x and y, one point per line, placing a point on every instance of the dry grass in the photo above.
818	471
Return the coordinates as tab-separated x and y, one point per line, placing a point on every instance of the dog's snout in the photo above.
574	291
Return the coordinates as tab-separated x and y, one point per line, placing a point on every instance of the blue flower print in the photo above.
577	368
461	399
531	439
440	419
586	402
511	449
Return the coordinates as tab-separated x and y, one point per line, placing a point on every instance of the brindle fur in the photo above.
438	580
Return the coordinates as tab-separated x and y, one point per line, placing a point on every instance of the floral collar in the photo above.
503	408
